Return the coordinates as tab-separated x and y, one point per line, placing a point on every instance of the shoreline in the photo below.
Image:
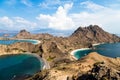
73	51
44	63
36	41
96	44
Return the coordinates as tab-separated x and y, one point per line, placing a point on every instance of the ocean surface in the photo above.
8	42
12	66
107	49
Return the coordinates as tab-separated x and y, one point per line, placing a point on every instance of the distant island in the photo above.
63	66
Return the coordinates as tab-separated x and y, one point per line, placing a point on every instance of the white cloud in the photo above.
5	21
60	20
27	3
50	3
91	5
16	23
53	4
107	18
23	23
91	13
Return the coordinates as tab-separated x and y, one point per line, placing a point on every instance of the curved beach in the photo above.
45	64
73	52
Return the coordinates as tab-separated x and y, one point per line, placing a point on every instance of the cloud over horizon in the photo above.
93	14
15	23
63	15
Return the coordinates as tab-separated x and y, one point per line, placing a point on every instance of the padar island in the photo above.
56	52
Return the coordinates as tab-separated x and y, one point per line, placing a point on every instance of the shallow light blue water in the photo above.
110	50
8	42
18	65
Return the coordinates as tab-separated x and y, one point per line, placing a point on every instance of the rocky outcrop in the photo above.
92	67
101	71
20	47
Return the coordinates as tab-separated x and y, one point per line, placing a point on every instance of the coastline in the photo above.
96	44
44	63
73	52
36	41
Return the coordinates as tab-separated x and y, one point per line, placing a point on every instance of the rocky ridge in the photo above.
91	67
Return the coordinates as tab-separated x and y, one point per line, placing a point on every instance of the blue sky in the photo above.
59	15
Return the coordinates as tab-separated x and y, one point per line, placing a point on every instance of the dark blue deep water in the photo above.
108	49
12	66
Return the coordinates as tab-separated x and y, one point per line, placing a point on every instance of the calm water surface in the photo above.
110	50
18	65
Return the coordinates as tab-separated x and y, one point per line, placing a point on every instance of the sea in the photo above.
107	49
19	65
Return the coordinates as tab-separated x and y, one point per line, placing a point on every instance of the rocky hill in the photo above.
91	67
93	34
23	34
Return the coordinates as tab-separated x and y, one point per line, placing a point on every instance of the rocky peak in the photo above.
92	28
94	34
23	34
24	31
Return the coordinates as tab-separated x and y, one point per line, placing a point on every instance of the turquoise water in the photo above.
110	50
18	65
8	42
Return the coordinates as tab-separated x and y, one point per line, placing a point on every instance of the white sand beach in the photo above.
73	52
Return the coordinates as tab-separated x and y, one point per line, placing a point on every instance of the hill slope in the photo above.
93	34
